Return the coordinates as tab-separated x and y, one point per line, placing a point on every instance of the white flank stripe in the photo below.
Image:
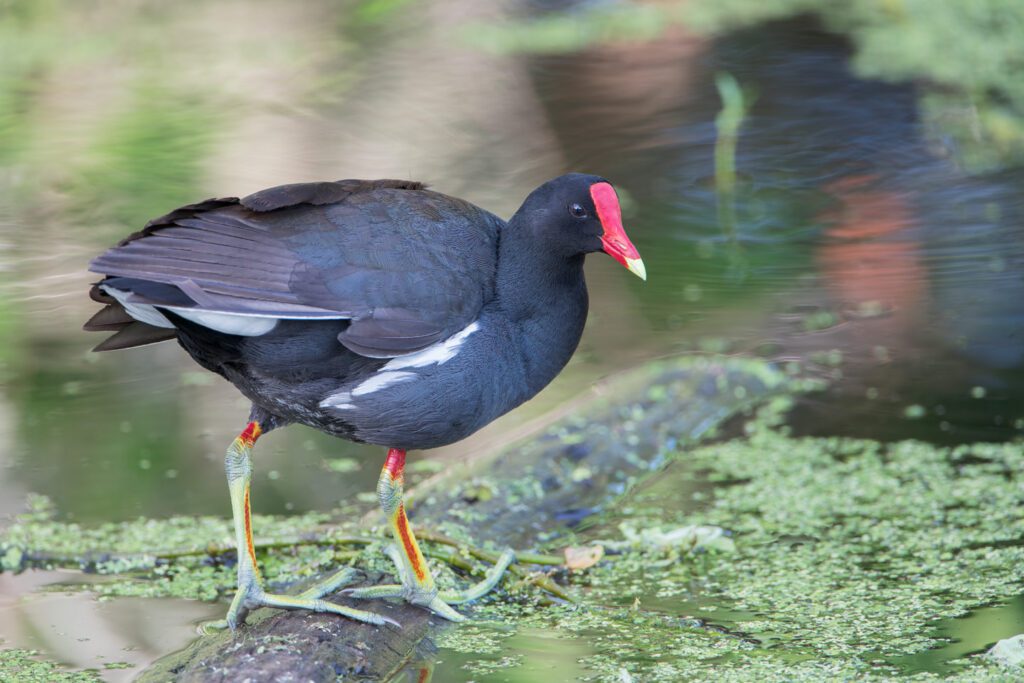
338	401
436	354
380	380
439	353
228	323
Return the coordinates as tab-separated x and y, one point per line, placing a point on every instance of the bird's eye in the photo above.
577	211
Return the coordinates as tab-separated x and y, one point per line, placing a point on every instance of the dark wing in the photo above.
407	266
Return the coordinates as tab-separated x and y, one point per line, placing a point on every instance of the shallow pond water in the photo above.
852	240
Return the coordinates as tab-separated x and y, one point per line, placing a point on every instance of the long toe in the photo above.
342	577
412	595
319	605
438	603
253	596
489	583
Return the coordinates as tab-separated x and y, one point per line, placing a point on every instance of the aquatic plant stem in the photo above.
728	123
542	581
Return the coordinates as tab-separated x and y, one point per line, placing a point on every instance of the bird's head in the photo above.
580	214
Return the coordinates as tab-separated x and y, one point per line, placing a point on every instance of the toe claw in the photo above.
342	577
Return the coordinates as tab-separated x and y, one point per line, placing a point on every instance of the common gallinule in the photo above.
374	310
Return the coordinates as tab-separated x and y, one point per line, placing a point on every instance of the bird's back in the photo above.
406	267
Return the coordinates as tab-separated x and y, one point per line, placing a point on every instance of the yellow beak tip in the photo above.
636	266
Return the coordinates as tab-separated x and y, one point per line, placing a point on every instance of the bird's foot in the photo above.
251	595
438	602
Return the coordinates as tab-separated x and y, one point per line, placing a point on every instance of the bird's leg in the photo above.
417	582
251	593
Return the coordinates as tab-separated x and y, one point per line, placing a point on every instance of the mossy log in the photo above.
522	494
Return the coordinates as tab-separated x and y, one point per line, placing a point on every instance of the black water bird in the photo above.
375	310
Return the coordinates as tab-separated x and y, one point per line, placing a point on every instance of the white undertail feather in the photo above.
229	323
141	312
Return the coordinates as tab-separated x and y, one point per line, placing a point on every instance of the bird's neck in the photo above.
543	297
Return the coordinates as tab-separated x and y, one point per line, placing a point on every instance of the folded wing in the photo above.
406	266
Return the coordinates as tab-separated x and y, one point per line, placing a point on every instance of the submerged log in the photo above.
613	439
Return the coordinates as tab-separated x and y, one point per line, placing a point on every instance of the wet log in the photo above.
300	646
618	435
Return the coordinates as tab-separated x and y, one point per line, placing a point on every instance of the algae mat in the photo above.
847	553
842	558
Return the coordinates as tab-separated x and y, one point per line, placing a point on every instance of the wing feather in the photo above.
407	266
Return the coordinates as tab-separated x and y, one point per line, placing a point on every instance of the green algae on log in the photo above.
575	467
621	438
848	552
845	555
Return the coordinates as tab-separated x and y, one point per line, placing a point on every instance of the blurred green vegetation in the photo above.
23	60
148	158
144	155
967	55
375	11
576	29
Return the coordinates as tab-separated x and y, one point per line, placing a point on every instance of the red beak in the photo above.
616	243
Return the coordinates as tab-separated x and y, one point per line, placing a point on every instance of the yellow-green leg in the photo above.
251	593
417	582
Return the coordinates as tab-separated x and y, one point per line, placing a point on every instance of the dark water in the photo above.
854	241
854	230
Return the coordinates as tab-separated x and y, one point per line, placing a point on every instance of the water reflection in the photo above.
972	634
844	209
117	637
